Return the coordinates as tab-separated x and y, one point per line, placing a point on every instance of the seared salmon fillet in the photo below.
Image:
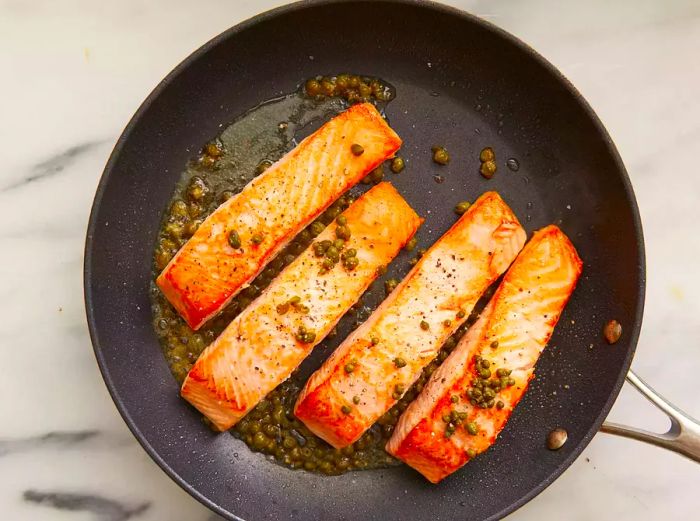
374	366
468	400
210	269
270	338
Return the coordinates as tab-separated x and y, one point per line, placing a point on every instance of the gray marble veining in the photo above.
74	72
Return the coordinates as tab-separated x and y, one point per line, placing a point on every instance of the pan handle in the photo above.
684	435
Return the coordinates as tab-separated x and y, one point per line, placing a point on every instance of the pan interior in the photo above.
460	84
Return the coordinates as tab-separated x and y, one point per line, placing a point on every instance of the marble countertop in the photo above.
73	72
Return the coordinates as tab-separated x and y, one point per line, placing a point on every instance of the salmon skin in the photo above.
262	346
380	360
449	422
207	272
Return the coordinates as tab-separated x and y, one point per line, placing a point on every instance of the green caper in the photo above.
316	228
357	150
346	409
440	155
350	263
350	252
487	154
333	253
377	174
341	220
502	372
399	362
484	373
305	336
196	189
374	340
461	313
398	391
424	325
471	453
355	399
262	166
411	244
342	232
282	308
454	398
350	366
500	405
257	238
447	323
260	440
485	363
397	165
462	207
312	87
494	344
328	264
511	382
234	239
472	428
339	244
390	285
488	169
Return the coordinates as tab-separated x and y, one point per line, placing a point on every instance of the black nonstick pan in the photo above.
461	83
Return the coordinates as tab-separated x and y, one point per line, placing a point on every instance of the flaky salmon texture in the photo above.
369	372
262	346
207	272
451	422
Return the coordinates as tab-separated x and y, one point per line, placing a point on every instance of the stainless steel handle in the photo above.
684	435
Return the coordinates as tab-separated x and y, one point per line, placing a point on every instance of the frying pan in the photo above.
461	83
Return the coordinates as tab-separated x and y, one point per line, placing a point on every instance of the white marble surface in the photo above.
71	75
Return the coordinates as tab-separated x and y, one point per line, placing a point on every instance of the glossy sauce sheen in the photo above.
449	278
207	272
518	321
259	349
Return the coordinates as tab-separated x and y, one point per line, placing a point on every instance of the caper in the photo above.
316	228
461	313
472	428
424	325
556	439
234	239
342	232
262	166
511	382
355	399
399	362
381	270
612	331
345	409
502	372
350	252
471	453
328	264
500	405
397	165
357	150
332	253
259	440
350	263
257	238
342	220
377	174
447	323
312	87
440	155
494	344
487	155
213	149
196	189
411	244
305	336
327	87
390	285
339	244
350	367
488	169
462	207
454	398
398	391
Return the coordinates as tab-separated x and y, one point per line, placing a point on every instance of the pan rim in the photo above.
290	8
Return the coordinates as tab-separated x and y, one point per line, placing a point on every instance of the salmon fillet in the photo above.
374	366
207	272
433	434
261	347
